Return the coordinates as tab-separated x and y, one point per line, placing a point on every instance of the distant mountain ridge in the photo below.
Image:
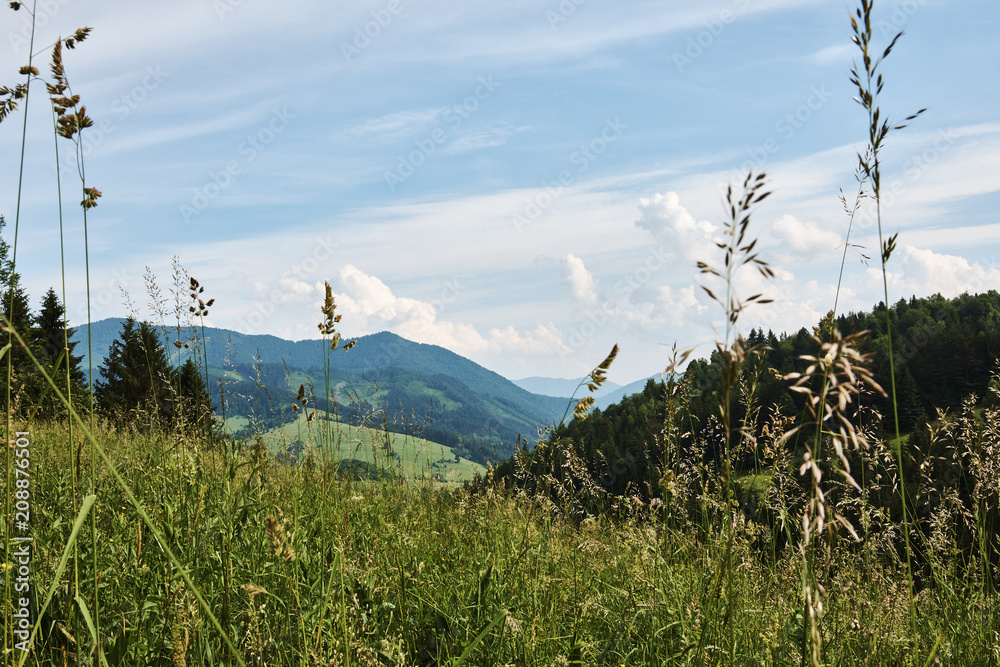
607	395
374	351
607	399
475	410
559	387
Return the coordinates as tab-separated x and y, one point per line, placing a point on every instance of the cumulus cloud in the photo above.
677	304
580	279
366	296
920	272
804	238
297	289
371	306
669	222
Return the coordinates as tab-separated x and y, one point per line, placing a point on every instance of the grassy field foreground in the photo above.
305	569
155	548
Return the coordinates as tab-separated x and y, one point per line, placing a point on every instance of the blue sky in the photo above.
525	183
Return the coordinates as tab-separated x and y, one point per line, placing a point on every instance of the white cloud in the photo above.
833	54
679	303
804	238
496	136
366	296
393	125
297	290
286	291
459	338
371	306
920	272
545	339
581	281
669	222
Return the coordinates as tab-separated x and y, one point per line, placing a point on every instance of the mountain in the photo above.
104	332
410	387
560	387
608	398
608	394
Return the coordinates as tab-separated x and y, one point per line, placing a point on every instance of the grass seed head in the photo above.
328	327
280	539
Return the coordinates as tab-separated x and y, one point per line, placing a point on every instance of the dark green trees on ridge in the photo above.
44	338
945	350
138	385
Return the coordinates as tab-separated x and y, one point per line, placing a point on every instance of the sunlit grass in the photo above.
210	550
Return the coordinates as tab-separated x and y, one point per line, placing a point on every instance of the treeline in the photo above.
944	350
139	386
39	335
135	385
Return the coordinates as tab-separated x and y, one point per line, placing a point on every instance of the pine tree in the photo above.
5	267
26	382
912	415
135	377
50	340
192	403
15	310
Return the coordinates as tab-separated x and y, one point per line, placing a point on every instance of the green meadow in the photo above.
407	456
139	531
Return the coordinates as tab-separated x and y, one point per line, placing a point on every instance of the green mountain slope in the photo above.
411	388
370	450
944	351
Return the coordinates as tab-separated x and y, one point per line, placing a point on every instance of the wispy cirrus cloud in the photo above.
487	138
394	125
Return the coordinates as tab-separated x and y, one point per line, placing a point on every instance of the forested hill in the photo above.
376	351
418	389
944	350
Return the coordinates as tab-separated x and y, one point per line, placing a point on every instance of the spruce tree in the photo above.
50	340
14	359
5	266
26	382
135	378
192	403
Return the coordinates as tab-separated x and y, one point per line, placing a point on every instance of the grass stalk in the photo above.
27	71
71	441
179	568
738	252
869	85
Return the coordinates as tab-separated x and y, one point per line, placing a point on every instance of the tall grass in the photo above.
869	82
235	558
19	92
392	574
69	118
